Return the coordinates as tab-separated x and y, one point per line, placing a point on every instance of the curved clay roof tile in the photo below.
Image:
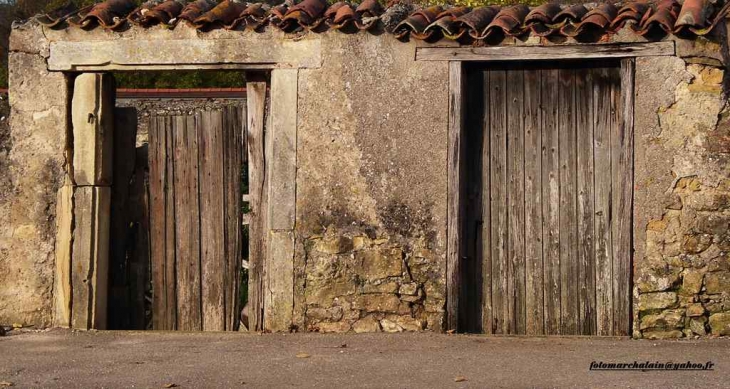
368	13
476	21
135	17
446	23
110	14
164	13
56	17
222	14
195	10
308	14
343	17
630	12
540	19
509	21
253	17
572	14
416	23
662	19
596	21
699	17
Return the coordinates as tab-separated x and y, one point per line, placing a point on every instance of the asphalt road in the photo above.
65	359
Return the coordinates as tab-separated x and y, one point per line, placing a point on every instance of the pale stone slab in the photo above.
283	143
92	114
279	286
90	258
148	54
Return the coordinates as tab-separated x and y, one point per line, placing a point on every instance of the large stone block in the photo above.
93	128
661	300
716	283
671	318
720	323
381	263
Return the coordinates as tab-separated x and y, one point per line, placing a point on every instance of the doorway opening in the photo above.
547	200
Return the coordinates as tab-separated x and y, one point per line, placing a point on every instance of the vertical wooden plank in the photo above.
139	253
187	225
486	228
233	124
256	100
64	241
125	131
472	294
170	268
533	205
157	166
602	198
568	231
622	144
210	141
454	194
498	194
515	202
282	168
584	155
550	200
90	275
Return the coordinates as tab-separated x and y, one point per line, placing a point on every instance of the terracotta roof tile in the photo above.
489	25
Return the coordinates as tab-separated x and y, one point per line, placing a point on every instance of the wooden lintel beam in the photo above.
513	53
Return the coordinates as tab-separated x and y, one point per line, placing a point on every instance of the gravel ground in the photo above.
66	359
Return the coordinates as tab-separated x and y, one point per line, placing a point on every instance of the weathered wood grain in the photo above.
515	150
622	145
256	100
551	200
533	205
64	239
158	176
454	194
170	268
558	52
212	266
139	253
187	224
485	245
586	258
498	193
568	228
233	126
602	197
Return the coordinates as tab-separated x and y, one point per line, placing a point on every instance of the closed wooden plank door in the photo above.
552	182
196	219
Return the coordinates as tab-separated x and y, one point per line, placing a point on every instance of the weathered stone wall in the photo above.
682	199
32	171
371	188
371	183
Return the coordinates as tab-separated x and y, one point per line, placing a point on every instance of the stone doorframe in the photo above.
456	56
83	202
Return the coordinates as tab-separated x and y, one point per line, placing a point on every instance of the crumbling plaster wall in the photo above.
33	171
371	188
682	196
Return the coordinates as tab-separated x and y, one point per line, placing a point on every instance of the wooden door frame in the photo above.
455	56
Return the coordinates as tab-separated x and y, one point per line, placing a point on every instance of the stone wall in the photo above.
682	208
371	142
32	169
371	188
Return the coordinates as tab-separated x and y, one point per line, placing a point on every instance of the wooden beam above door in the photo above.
512	53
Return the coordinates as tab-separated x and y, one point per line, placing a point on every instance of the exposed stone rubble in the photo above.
369	283
683	281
